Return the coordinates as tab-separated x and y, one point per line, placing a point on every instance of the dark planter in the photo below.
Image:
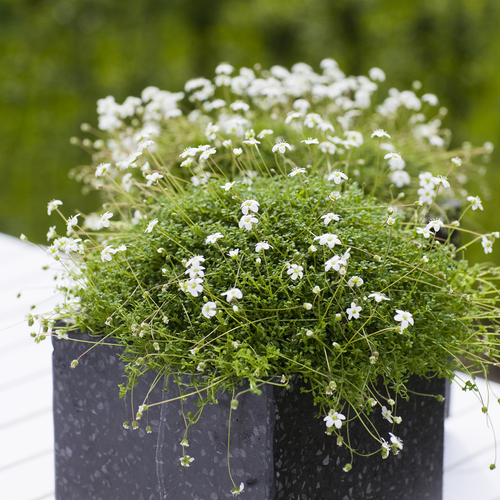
278	449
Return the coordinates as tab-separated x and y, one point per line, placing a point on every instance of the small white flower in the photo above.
441	181
355	280
227	143
104	220
246	221
189	152
195	271
265	133
292	115
207	153
487	244
380	133
195	286
187	162
328	147
227	186
424	232
312	249
456	161
51	234
262	246
377	75
186	460
390	221
397	442
239	105
297	171
237	152
387	414
353	311
101	169
316	289
252	142
234	253
209	309
72	221
395	161
328	239
249	205
237	490
153	178
195	261
295	271
400	178
310	141
379	297
334	196
435	225
308	306
475	202
281	146
334	418
329	217
151	225
404	317
107	253
212	238
233	294
53	205
337	176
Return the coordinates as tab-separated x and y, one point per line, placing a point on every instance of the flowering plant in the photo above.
279	223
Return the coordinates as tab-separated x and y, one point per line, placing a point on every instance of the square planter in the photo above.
278	449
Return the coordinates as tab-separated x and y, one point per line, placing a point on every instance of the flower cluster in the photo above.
275	230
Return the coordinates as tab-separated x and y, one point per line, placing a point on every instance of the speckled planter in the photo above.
278	449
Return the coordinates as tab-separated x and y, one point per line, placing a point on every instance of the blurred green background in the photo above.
58	57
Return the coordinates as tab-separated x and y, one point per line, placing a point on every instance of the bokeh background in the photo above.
57	57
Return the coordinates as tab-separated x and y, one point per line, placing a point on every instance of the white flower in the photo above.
207	153
187	162
101	169
227	186
186	460
252	142
212	238
189	152
236	491
107	253
265	133
380	133
194	286
312	249
379	297
397	442
233	294
400	178
51	234
329	217
377	75
336	263
234	253
456	161
239	105
53	205
487	244
308	306
281	146
224	69
441	181
297	171
424	231
249	205
353	311
153	178
209	309
295	271
337	177
151	225
237	152
310	141
262	246
195	270
247	220
431	99
404	317
355	280
72	221
227	143
435	224
395	161
334	196
334	418
292	115
104	220
328	239
328	147
316	289
475	202
195	261
387	414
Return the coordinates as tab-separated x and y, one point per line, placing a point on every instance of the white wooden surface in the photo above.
26	432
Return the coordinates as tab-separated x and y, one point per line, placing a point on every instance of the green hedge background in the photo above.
58	57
